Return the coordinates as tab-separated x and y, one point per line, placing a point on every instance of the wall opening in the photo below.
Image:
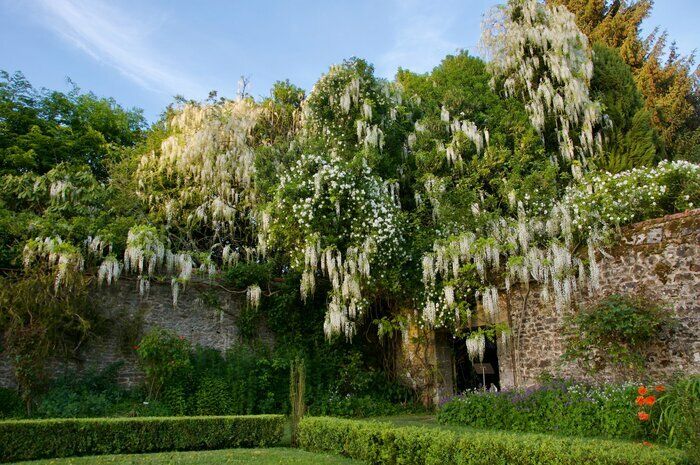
475	375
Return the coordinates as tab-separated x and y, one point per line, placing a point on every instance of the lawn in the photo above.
270	456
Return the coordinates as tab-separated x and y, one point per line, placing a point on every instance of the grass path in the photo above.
271	456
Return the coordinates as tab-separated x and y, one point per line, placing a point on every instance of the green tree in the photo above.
40	129
667	80
633	141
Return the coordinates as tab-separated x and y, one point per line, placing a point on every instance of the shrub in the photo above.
90	394
33	439
163	355
383	443
559	408
615	332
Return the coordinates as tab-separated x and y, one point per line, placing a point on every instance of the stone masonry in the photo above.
205	315
660	257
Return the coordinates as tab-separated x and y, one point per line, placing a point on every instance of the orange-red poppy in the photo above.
639	400
650	400
642	391
660	388
643	416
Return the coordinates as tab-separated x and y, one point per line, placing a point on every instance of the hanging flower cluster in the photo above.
144	253
60	189
109	271
476	346
203	174
349	109
61	256
253	294
345	223
462	132
522	249
543	58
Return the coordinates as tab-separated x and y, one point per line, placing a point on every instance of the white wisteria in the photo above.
318	187
253	293
60	189
204	172
476	346
109	271
60	256
541	56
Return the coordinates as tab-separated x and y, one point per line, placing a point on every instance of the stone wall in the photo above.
205	315
660	257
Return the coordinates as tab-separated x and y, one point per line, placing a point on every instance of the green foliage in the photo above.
555	408
383	443
163	355
633	141
41	129
615	332
33	439
678	420
90	394
39	320
341	378
253	380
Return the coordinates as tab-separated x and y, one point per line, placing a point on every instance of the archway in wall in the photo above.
470	376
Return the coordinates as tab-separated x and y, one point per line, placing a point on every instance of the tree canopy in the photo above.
435	192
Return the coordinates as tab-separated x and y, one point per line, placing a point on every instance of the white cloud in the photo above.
420	36
117	39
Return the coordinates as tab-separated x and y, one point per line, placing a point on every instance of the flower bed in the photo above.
559	408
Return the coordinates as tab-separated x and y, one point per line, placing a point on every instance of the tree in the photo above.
632	141
40	129
667	80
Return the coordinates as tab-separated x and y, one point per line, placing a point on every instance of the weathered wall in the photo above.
205	315
661	257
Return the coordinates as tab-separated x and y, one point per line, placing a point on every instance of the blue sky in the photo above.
144	52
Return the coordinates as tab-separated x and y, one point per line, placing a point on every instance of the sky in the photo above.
144	52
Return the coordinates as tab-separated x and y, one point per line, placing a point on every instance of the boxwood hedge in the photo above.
384	443
33	439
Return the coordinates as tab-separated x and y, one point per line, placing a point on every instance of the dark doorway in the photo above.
468	375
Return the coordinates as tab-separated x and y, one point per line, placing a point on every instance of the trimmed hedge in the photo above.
33	439
383	443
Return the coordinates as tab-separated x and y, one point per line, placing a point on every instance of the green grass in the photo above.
272	456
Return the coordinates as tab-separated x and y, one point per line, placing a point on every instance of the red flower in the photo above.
642	391
660	388
650	400
639	400
643	416
646	443
135	347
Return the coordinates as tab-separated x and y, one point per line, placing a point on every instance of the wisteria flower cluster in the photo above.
541	56
342	222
